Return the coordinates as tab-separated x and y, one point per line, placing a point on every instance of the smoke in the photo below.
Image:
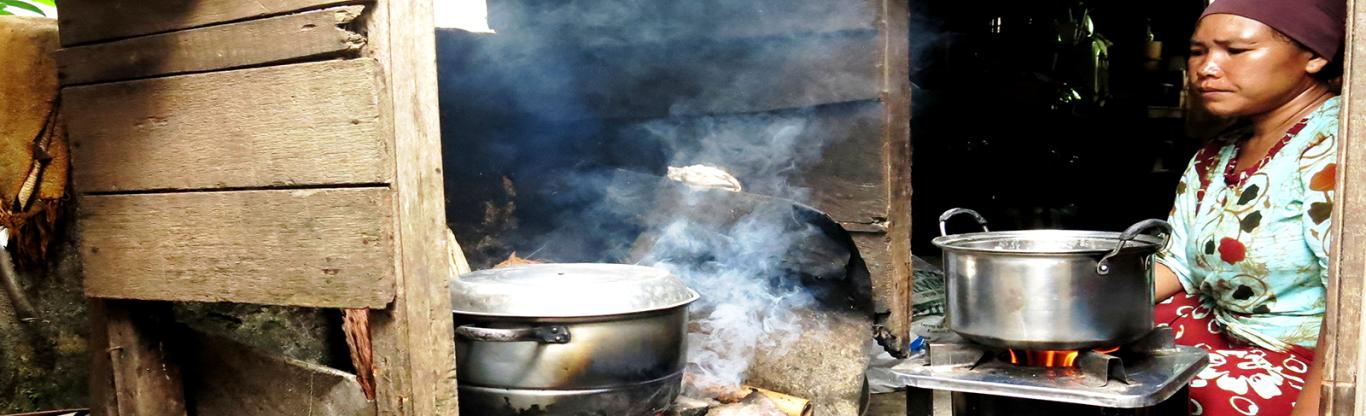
748	301
765	151
566	94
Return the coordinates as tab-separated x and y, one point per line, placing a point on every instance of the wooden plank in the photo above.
893	35
847	181
315	247
224	377
1347	265
414	351
302	124
595	23
313	34
872	246
146	372
502	76
103	397
86	21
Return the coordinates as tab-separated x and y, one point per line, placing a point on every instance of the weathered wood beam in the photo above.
143	360
414	350
1347	267
290	125
103	394
896	100
311	247
228	378
307	35
87	21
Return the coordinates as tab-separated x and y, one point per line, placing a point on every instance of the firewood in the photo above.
708	390
755	404
790	405
513	260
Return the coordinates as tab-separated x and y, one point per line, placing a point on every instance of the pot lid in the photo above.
567	290
1046	242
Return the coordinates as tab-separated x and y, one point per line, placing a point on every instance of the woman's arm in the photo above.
1308	402
1172	266
1165	283
1318	174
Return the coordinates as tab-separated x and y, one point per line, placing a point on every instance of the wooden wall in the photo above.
582	76
285	154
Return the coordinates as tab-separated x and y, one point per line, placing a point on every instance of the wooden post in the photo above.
103	400
896	103
414	374
142	359
1342	353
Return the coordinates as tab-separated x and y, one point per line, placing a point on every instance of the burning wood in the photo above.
513	260
789	405
764	402
753	405
748	400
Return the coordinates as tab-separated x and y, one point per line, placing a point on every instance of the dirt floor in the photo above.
888	404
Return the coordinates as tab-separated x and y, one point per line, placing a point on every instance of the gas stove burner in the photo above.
1140	374
1099	368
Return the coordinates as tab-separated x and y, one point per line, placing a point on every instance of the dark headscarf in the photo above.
1317	24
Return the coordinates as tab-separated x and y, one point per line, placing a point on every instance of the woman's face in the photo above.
1241	67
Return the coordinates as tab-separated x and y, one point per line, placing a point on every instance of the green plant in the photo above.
7	6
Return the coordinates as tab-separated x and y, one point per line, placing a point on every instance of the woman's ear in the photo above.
1315	64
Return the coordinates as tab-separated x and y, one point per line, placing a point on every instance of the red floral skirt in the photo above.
1242	379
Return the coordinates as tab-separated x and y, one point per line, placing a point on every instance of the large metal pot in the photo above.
569	339
1050	289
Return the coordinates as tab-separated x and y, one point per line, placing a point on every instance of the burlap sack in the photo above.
33	149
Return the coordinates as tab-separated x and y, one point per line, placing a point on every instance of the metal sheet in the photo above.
1154	379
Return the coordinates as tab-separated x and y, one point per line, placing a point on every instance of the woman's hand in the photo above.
1308	402
1165	283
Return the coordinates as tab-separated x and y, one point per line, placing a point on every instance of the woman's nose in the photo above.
1207	67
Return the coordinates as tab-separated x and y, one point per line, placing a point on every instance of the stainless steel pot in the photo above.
1050	289
569	339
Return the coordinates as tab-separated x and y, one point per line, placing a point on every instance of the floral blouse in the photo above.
1254	244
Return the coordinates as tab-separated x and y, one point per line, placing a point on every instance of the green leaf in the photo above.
22	5
4	12
49	3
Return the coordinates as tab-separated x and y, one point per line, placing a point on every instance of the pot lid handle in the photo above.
1103	266
944	218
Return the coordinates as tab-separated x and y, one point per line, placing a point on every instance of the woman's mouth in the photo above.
1213	91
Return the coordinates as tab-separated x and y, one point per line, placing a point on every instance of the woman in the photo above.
1248	258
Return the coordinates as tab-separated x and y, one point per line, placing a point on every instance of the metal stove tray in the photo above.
1153	379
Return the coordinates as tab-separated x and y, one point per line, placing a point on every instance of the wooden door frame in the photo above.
1342	350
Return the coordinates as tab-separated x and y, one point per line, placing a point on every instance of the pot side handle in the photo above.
944	219
553	334
1103	266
